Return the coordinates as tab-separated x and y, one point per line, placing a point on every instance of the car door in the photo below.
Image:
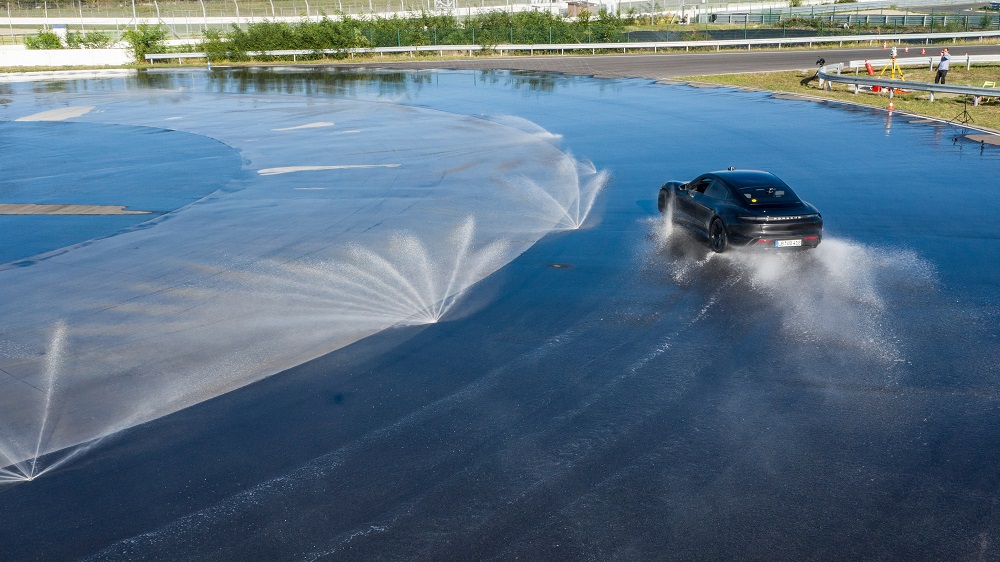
701	202
711	202
688	209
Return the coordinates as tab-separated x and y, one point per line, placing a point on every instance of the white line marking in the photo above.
290	169
307	126
58	114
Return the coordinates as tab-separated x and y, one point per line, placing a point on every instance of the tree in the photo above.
89	40
145	39
44	40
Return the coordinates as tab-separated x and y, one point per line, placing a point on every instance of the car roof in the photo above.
749	178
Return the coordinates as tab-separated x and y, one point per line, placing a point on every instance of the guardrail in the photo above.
832	73
835	15
654	46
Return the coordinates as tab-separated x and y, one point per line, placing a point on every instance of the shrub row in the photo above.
49	40
348	32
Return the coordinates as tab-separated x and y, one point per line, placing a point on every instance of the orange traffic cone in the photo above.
906	49
923	51
885	45
890	106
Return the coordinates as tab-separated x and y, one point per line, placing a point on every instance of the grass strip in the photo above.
944	106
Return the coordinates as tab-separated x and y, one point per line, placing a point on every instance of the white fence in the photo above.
654	46
18	56
15	56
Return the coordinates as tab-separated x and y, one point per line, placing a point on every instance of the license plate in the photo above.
787	243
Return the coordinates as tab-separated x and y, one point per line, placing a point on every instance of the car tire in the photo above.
718	239
661	201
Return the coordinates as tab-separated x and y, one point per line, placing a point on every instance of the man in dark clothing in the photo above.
943	67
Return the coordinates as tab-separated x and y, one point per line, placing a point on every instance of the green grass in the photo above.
944	106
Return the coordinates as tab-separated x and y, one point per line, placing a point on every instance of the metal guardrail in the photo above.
834	17
654	46
833	73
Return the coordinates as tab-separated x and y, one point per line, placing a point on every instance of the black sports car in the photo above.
742	208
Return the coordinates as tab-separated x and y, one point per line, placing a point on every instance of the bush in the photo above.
485	29
145	39
44	40
802	23
90	40
325	34
213	44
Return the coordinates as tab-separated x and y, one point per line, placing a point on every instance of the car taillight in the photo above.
811	238
764	241
777	218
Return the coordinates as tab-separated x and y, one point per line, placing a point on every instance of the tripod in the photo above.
893	67
964	117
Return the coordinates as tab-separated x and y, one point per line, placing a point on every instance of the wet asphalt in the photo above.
616	392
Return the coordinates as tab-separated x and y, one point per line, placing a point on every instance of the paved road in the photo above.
642	401
668	66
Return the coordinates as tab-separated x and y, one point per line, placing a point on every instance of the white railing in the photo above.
653	46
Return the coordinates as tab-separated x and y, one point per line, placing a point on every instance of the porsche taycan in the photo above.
742	208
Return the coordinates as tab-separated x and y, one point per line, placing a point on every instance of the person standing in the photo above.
943	67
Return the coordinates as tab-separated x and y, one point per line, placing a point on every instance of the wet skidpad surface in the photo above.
614	391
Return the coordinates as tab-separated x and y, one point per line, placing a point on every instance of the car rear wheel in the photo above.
717	237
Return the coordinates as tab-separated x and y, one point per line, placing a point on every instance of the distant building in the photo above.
573	9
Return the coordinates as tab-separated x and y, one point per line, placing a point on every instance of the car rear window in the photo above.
767	195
